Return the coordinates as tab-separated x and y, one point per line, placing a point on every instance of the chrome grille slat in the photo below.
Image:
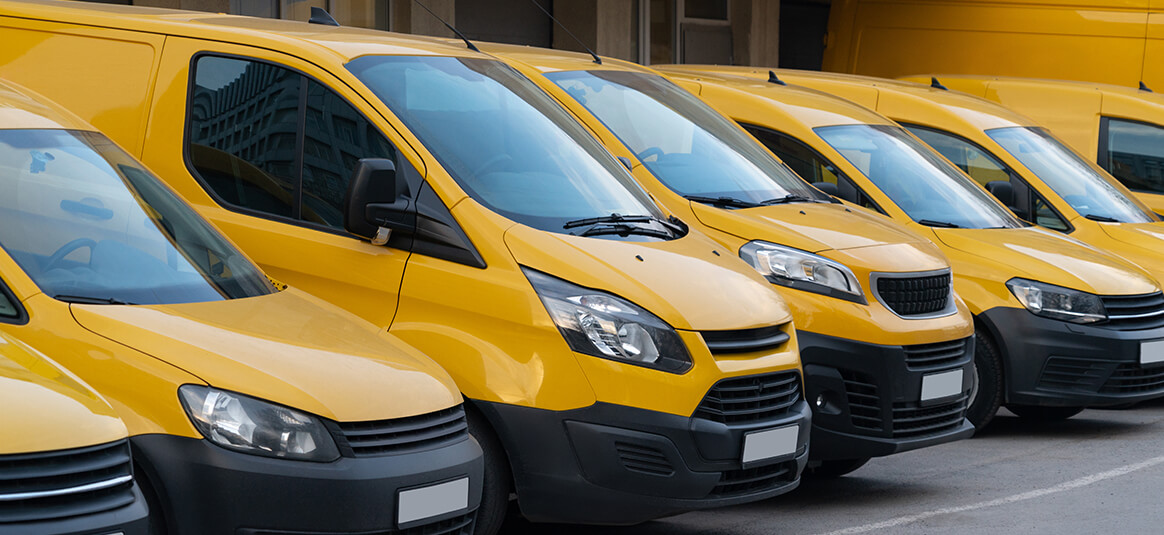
1133	312
58	484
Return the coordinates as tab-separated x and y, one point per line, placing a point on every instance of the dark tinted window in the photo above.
811	166
1135	154
7	307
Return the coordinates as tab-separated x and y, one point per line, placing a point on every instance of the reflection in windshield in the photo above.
89	225
507	143
690	147
921	183
1078	182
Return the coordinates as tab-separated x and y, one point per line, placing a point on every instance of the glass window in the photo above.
89	225
982	166
7	306
1045	216
1135	154
507	143
1080	183
926	187
689	146
811	166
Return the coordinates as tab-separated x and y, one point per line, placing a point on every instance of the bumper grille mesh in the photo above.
915	296
750	398
1100	376
751	480
910	420
935	356
401	435
48	485
864	400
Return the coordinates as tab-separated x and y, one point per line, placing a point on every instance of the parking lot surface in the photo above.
1100	471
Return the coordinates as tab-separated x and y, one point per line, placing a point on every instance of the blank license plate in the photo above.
435	500
771	443
941	385
1152	352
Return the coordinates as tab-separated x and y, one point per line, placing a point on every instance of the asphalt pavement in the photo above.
1102	471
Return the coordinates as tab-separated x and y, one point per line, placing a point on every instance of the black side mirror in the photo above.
828	187
377	202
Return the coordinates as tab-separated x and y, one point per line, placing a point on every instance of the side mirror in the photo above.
377	202
828	187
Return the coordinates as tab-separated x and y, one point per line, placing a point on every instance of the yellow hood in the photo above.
288	348
807	226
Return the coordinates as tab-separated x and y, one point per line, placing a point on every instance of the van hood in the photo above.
288	348
1045	256
1149	236
691	283
46	408
812	227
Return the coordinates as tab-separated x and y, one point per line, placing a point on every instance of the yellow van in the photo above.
1061	325
618	366
1116	41
251	407
885	343
65	463
1120	128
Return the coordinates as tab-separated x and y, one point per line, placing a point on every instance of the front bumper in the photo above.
617	465
208	489
1054	363
132	519
872	396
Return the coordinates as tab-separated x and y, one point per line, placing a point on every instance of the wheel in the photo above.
498	479
986	391
835	468
1044	414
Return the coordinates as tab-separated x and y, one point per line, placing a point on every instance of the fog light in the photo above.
820	401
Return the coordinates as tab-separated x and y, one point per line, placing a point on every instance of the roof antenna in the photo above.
934	83
468	43
321	16
1144	87
597	59
773	79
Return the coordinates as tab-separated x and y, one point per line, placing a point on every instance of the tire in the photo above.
1044	414
835	468
498	479
986	394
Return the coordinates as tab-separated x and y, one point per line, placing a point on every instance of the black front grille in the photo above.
751	480
1129	378
746	340
458	525
864	400
911	420
401	435
915	296
1100	376
751	398
933	356
643	459
1134	312
58	484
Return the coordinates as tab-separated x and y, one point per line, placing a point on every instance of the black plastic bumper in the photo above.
207	489
872	399
617	465
1054	363
132	519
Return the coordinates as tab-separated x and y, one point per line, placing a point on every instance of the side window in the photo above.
10	312
1133	152
268	139
1045	216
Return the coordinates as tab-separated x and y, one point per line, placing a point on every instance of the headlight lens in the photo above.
249	425
1057	302
600	324
803	270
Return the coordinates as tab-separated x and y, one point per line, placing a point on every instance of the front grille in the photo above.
914	296
933	356
750	398
1129	378
746	340
1100	376
458	525
49	485
643	459
912	420
864	400
401	435
1134	312
751	480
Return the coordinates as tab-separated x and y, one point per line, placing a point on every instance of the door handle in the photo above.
86	209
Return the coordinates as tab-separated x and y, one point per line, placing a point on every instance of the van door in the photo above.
264	145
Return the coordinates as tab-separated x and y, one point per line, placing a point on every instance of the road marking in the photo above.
1069	485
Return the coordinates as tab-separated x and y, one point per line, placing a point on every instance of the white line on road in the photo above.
1069	485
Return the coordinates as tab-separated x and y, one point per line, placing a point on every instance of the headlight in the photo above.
249	425
802	270
600	324
1057	302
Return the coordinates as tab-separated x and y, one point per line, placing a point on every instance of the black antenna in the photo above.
597	59
321	16
773	79
468	43
934	83
1144	87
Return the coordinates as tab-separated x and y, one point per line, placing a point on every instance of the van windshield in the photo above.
508	144
929	189
691	148
89	225
1078	182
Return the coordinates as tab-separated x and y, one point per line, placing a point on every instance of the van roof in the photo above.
339	42
21	109
549	60
1130	99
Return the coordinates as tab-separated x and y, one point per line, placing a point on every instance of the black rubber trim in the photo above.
744	341
133	519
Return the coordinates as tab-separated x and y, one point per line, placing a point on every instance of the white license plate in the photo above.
1152	352
771	443
435	500
941	385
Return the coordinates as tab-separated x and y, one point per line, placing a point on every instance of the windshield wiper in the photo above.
612	218
722	201
790	198
1102	218
86	300
940	224
625	230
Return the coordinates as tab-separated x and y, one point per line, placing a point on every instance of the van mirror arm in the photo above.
377	202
